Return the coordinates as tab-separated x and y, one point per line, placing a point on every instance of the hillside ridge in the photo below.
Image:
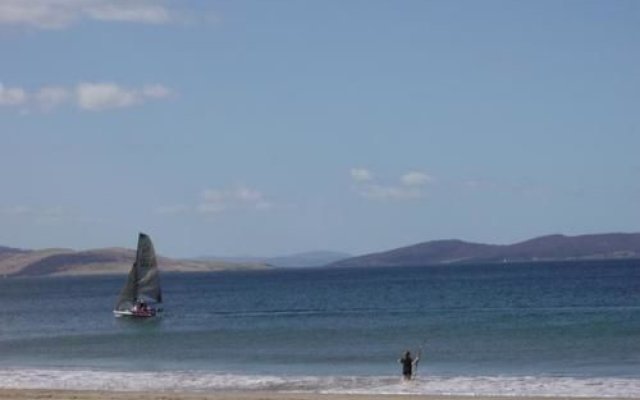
106	261
554	247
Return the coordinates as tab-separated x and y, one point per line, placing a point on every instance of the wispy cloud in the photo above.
59	14
50	97
102	96
361	175
410	186
89	96
12	96
217	201
38	215
214	201
16	210
416	178
155	92
141	11
381	192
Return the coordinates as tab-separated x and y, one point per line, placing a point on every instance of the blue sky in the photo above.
275	127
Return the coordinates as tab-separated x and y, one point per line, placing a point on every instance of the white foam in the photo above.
24	378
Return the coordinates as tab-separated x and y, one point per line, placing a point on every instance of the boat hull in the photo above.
135	314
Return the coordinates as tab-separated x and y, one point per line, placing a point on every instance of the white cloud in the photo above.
91	96
102	96
43	14
12	96
58	14
129	11
216	201
410	185
415	178
361	175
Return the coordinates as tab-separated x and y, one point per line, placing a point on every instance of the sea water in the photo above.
570	329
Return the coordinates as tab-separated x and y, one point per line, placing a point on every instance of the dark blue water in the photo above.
578	319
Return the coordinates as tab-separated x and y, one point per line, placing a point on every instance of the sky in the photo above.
272	127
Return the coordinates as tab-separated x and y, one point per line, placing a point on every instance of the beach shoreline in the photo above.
55	394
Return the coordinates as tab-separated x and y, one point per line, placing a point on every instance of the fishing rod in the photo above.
417	361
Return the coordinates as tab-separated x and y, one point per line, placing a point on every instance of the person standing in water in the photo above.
408	364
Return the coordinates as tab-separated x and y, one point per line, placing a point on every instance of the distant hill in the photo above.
546	248
308	259
299	260
61	262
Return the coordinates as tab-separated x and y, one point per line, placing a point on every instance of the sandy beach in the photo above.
33	394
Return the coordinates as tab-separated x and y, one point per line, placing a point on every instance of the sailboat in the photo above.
141	295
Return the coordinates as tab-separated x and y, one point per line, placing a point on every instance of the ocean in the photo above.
566	328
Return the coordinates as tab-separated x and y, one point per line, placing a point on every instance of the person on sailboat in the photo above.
141	306
408	363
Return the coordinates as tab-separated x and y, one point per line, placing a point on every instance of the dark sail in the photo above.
143	282
127	296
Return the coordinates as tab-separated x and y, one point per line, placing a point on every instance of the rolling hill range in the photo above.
545	248
61	262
